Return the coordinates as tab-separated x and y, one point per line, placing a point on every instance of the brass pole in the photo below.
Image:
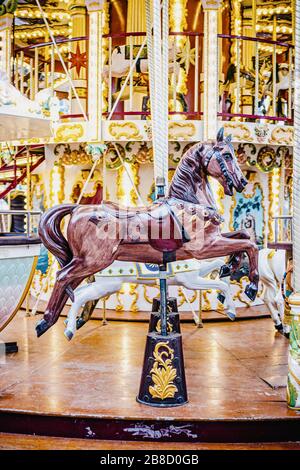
200	323
28	207
254	18
104	321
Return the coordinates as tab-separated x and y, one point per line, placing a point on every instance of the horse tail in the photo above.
51	234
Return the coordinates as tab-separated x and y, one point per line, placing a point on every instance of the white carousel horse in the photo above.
120	63
271	267
108	285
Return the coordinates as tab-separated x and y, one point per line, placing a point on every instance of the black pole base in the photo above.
173	323
163	381
11	347
171	304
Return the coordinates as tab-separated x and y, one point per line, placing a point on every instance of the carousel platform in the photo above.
86	389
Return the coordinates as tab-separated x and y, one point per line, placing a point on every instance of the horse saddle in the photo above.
164	232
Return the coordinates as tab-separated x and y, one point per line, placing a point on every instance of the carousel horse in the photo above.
183	225
105	285
271	273
121	63
247	82
271	269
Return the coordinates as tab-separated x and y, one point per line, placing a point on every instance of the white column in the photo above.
95	103
293	390
210	63
5	44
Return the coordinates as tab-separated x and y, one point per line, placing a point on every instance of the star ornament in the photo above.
78	60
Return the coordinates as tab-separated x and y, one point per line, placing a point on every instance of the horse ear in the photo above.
220	135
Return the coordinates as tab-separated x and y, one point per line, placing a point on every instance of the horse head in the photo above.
221	163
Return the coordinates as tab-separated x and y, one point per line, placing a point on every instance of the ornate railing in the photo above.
255	76
37	67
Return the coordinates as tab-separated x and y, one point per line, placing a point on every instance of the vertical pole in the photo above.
104	321
5	40
254	18
256	79
95	67
196	90
293	387
163	298
28	206
211	79
238	79
36	71
200	323
78	24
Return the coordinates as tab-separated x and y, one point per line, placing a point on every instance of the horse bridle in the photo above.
220	160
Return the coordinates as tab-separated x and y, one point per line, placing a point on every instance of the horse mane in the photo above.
188	175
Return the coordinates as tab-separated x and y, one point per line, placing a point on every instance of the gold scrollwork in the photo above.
124	130
133	292
163	373
238	295
282	135
181	130
158	326
239	132
146	296
182	296
206	305
68	132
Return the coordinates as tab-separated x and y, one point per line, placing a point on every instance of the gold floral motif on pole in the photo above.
163	373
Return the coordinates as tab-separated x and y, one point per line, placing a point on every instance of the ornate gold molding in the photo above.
181	130
69	132
282	135
163	373
239	131
124	130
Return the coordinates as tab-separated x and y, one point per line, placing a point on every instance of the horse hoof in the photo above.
79	323
280	329
221	297
231	316
68	334
225	271
251	292
41	327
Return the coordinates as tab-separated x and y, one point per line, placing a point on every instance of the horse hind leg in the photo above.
103	287
71	275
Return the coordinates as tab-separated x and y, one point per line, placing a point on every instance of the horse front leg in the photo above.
234	261
81	296
222	246
252	288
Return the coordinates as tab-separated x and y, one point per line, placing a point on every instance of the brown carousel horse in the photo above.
181	226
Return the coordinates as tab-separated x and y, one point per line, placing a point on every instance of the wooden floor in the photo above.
86	388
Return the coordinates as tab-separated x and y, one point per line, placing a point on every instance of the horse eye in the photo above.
227	156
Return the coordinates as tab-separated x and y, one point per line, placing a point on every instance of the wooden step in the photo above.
26	442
